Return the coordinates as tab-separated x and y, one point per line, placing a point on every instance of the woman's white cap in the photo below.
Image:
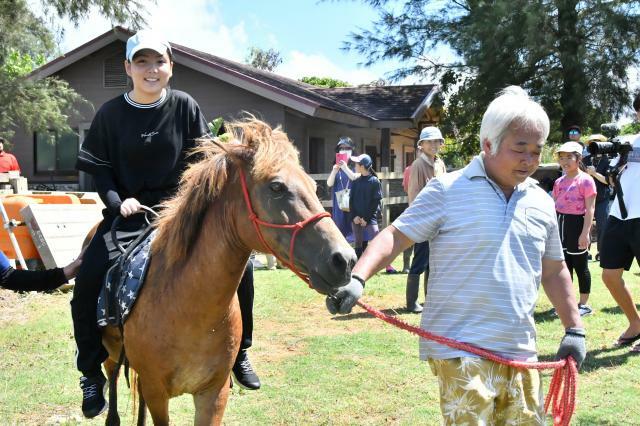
574	147
146	39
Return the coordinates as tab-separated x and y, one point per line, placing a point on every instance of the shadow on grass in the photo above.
615	309
545	316
392	312
600	358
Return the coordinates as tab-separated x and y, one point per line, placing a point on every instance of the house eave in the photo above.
424	105
77	54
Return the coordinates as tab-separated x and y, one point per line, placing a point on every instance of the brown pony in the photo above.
184	331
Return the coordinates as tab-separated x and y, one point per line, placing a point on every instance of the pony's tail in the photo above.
136	394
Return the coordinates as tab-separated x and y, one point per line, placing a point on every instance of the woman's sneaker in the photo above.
93	402
584	310
243	372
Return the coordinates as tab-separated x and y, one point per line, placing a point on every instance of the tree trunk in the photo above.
574	81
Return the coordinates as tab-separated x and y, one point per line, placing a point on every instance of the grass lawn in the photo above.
315	369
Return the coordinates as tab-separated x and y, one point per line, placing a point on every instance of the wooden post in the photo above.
386	213
19	184
385	148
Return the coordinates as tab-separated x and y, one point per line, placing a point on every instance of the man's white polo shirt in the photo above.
485	260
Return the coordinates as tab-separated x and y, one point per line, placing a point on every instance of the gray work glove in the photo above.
347	296
573	343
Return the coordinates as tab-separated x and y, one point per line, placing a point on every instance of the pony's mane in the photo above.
254	143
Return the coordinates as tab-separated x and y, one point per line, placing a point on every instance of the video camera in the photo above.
613	146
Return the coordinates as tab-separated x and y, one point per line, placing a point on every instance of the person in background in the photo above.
340	179
574	133
427	166
8	162
597	167
574	194
621	242
364	203
406	255
46	280
494	238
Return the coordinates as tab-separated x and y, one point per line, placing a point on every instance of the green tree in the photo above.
570	55
26	42
327	82
262	59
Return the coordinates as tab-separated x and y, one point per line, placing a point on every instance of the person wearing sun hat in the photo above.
574	194
426	166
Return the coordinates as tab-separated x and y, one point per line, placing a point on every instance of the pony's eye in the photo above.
277	187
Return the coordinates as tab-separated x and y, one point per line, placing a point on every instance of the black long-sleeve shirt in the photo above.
364	198
18	280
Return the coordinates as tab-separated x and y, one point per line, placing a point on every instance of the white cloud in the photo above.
193	23
298	64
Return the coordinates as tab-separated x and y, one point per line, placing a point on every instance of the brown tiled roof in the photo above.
283	83
366	102
381	102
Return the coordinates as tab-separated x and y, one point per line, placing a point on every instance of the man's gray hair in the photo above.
512	106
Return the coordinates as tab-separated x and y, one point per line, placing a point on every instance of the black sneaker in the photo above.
243	372
93	389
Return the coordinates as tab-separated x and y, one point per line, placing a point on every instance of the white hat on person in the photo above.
430	133
574	147
146	39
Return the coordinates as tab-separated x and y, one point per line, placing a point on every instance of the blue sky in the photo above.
308	33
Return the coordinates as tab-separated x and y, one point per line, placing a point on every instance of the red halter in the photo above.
297	227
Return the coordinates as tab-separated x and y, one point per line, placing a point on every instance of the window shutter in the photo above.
115	76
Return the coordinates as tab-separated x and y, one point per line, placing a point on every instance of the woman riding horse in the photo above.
184	331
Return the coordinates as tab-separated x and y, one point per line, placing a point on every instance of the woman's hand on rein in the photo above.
129	207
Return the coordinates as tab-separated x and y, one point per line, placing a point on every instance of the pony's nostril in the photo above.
338	261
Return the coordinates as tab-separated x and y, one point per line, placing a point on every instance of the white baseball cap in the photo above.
574	147
146	39
430	133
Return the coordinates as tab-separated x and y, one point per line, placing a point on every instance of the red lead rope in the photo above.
562	390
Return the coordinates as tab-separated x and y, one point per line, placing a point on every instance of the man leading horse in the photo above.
494	237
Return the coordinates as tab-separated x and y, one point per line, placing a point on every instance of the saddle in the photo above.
129	260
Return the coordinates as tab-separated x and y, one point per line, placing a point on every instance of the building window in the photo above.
316	155
56	153
114	74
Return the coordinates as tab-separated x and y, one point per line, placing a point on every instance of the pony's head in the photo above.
279	192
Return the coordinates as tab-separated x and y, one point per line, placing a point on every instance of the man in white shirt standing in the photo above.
621	240
493	238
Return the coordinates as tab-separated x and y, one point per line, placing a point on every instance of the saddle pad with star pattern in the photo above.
123	282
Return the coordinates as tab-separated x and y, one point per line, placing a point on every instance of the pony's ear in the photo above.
239	154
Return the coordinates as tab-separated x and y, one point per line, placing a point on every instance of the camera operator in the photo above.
621	242
597	167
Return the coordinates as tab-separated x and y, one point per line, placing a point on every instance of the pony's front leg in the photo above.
156	400
210	404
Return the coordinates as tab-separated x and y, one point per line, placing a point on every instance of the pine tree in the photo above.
26	42
571	55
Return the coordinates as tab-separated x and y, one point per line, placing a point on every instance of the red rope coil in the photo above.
562	389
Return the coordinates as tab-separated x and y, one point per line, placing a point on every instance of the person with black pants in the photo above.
136	150
574	194
242	370
597	167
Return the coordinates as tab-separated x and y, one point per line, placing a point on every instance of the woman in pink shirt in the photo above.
575	196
